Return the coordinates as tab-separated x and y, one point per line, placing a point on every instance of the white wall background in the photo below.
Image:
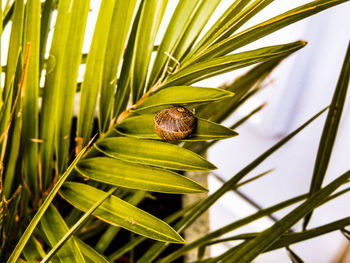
299	88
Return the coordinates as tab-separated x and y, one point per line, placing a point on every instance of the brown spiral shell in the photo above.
175	123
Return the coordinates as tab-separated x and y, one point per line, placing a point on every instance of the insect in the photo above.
175	123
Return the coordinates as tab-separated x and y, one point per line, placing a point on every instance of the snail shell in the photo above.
175	123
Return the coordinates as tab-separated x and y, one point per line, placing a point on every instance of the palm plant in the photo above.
104	177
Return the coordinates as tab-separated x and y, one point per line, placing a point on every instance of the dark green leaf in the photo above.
35	220
33	251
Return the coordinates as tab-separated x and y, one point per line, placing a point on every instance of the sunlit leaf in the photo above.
136	150
219	65
54	229
66	93
93	73
48	118
114	50
151	15
90	254
255	32
265	239
330	129
182	95
141	126
118	212
136	176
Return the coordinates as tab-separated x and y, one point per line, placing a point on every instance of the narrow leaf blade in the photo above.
114	50
265	239
182	95
258	31
151	15
54	229
330	129
136	176
141	126
212	67
93	73
118	212
137	150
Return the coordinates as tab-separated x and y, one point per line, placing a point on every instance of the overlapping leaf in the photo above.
182	95
265	239
141	126
55	228
210	200
167	155
184	27
30	95
136	176
234	17
208	68
151	15
220	110
66	93
33	250
255	32
330	129
115	47
93	72
118	212
90	254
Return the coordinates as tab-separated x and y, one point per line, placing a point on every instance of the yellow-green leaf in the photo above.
211	67
118	212
151	16
141	126
140	151
54	229
117	37
137	176
93	72
258	31
183	95
90	254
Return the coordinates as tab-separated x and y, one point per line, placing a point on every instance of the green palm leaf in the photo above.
118	212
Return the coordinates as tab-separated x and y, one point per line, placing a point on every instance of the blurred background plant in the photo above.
127	78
